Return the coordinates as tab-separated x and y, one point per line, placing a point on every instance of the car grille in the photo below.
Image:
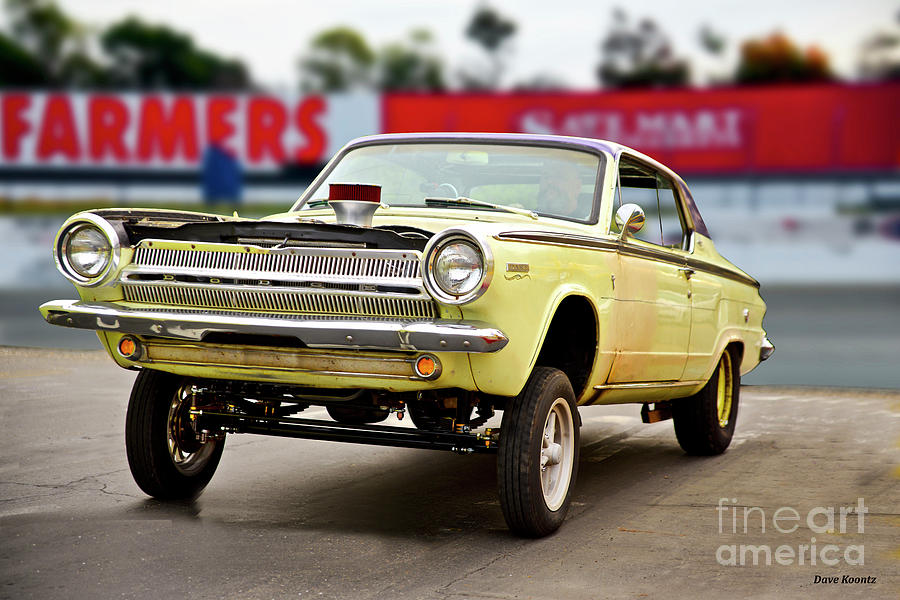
312	281
330	262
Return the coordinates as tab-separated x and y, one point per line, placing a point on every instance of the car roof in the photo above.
556	140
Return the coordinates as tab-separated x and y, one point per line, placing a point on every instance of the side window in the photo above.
656	195
669	213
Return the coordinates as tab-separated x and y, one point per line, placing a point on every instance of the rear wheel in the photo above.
166	460
538	454
704	422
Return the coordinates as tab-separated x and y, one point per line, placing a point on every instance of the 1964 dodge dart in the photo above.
444	276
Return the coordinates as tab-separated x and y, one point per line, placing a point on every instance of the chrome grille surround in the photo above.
318	263
314	281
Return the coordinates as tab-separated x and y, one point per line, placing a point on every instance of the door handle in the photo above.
687	271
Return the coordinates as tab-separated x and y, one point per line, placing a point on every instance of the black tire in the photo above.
166	461
528	508
701	426
355	415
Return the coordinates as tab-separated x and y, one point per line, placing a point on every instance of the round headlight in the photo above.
87	250
458	268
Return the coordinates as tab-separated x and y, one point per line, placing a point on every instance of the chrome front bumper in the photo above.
324	332
766	350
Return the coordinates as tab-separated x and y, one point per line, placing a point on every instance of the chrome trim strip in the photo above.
689	261
557	239
644	385
712	269
651	253
435	335
579	241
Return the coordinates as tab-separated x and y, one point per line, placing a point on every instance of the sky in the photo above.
558	38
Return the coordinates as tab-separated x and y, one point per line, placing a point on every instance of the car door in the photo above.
652	285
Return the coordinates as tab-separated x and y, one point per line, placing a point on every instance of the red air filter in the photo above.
354	191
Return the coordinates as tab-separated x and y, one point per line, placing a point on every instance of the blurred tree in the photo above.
879	55
18	67
712	41
639	56
411	66
148	56
43	29
541	82
54	46
339	59
492	31
79	70
776	59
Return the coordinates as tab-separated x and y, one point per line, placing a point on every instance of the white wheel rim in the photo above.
557	453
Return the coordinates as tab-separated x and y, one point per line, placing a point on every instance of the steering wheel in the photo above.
447	186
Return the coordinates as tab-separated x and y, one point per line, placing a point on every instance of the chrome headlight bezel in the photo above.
61	255
429	258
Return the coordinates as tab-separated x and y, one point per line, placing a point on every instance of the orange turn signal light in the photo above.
128	347
427	366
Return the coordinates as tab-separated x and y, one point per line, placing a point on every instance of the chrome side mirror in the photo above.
629	219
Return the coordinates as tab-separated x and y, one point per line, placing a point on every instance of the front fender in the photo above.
522	305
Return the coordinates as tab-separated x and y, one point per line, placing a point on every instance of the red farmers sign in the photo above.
739	130
172	130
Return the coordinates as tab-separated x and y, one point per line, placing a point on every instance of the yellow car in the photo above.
444	276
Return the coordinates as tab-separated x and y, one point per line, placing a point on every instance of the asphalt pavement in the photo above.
301	519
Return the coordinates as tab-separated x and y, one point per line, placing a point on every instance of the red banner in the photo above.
821	128
811	129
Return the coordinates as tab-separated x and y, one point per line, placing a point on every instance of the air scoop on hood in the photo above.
354	203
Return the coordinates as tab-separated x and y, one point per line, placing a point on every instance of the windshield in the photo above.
550	181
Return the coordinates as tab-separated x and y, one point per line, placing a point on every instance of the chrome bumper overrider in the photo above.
427	335
766	350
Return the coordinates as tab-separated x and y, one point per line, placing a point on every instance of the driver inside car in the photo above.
559	189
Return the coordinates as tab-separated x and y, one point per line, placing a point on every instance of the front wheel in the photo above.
166	460
704	422
538	455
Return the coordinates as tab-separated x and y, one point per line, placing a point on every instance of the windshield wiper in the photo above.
464	201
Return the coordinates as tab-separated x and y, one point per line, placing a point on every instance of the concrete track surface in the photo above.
304	519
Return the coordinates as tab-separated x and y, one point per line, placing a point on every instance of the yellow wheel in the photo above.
704	422
724	392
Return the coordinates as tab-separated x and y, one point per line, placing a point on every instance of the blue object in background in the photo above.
222	177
